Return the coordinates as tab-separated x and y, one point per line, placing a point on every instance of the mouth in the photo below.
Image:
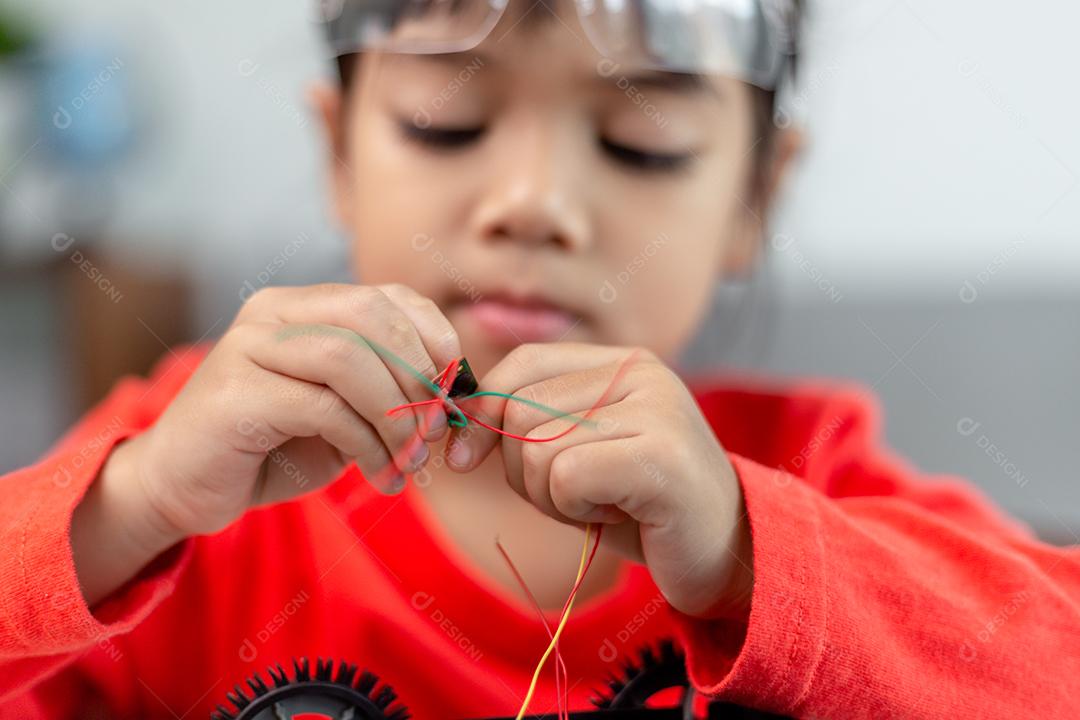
509	319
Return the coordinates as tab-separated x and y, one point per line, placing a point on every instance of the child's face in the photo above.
537	196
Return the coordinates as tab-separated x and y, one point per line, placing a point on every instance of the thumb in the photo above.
525	365
297	467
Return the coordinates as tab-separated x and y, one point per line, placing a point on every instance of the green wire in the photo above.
355	337
294	331
549	410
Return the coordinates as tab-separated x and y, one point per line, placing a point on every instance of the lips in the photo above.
510	320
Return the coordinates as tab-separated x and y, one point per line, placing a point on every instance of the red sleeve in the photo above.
882	594
45	623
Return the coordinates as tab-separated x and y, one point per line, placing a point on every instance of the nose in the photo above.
534	192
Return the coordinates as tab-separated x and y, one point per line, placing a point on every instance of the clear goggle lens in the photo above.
748	40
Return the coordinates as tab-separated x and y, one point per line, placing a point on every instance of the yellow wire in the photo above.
558	630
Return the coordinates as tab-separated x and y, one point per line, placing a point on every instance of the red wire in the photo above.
596	545
573	593
481	423
439	377
564	700
560	671
447	377
414	404
443	380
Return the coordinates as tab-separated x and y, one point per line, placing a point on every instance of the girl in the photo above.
552	190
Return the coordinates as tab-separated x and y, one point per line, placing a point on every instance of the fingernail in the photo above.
460	454
419	458
436	426
396	485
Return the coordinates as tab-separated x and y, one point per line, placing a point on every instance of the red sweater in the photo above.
878	593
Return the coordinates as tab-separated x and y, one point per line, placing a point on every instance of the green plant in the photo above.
15	35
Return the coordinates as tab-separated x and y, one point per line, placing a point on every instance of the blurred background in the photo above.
159	162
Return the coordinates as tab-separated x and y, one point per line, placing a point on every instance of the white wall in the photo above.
943	150
943	141
944	144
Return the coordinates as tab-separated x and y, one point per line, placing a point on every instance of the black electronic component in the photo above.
465	382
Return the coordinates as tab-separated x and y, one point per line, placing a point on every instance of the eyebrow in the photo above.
452	58
680	82
689	83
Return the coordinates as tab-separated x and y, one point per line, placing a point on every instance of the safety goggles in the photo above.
749	40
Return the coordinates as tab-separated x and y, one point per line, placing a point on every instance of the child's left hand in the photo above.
648	465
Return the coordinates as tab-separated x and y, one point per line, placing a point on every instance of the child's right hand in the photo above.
290	394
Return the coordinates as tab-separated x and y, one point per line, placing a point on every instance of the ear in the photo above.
329	105
764	185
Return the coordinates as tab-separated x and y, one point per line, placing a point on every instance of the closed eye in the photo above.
441	137
644	160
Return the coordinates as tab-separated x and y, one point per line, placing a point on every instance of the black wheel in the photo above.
345	694
656	671
649	674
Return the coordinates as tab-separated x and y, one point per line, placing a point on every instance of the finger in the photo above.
584	489
374	316
339	359
524	366
532	475
436	332
279	408
299	465
577	395
439	338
